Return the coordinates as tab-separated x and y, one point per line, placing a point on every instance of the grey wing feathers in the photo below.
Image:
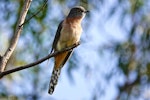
56	36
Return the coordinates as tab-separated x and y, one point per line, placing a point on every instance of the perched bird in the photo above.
68	34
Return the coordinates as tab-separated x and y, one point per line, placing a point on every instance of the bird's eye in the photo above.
80	11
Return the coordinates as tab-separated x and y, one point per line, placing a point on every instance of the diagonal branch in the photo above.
42	7
4	59
37	62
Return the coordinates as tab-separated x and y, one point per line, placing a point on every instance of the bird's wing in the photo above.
56	37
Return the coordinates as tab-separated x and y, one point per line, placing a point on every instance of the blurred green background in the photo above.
112	62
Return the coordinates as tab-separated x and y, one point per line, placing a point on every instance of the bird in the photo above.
68	33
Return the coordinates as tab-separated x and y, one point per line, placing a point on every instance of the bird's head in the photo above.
77	12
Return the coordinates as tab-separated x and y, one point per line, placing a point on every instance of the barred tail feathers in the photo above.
60	60
54	80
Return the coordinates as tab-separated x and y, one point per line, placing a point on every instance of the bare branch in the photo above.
37	62
42	7
16	36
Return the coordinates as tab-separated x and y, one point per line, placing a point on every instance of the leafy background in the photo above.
112	62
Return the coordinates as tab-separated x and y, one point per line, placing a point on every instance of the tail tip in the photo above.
51	90
53	81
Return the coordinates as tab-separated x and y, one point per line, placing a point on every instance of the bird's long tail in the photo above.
54	80
60	60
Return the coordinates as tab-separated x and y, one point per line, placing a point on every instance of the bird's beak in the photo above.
87	11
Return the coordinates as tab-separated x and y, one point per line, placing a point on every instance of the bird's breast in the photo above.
70	34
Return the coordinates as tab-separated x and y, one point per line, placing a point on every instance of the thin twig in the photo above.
42	7
36	62
16	36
